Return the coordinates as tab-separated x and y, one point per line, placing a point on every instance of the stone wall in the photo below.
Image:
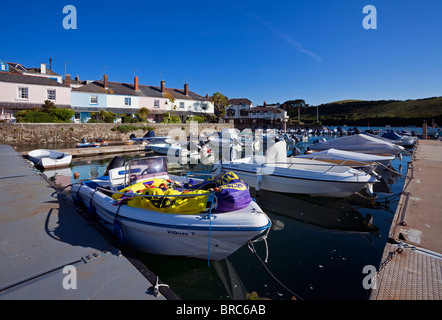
42	133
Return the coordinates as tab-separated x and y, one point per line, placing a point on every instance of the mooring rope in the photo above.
252	248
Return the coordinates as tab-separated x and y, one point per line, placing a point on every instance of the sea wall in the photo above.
42	133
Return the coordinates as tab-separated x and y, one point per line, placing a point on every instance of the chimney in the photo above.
105	82
43	68
186	89
163	86
77	78
136	83
207	96
67	80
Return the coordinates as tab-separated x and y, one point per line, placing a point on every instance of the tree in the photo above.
143	113
220	102
106	116
169	96
293	107
48	105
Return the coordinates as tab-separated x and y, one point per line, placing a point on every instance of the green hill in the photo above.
377	113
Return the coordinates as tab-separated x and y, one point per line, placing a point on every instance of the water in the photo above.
317	246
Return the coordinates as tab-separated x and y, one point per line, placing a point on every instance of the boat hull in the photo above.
316	188
301	176
199	236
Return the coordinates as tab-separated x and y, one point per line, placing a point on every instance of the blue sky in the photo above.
272	51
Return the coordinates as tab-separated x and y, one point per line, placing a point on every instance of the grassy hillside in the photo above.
377	113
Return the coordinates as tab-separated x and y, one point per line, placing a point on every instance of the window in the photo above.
23	93
127	101
230	112
94	99
51	94
204	106
156	103
181	105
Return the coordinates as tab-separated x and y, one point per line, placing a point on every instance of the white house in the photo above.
238	108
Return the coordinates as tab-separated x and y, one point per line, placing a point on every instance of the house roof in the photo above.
240	101
19	68
27	79
271	109
143	90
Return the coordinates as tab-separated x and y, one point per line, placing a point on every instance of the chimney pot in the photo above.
67	80
136	83
163	86
43	68
105	82
186	89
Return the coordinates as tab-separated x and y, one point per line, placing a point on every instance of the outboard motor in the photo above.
116	162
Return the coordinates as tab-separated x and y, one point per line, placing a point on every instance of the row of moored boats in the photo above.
154	211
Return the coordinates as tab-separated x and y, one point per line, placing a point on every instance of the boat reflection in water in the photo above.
329	213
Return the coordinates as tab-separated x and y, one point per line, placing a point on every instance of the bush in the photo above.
198	119
171	119
49	113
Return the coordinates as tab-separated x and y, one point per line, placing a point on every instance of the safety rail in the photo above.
155	196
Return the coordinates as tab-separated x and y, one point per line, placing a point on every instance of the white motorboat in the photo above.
363	143
197	222
275	172
179	150
47	159
351	159
168	147
393	137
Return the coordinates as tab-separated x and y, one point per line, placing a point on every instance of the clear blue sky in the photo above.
272	51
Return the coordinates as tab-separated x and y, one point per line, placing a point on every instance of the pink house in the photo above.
22	92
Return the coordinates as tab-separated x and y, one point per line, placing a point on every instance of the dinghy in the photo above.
47	159
155	212
275	172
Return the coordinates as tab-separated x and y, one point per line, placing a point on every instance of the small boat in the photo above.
177	149
155	212
88	145
149	137
393	137
351	159
275	172
47	159
363	143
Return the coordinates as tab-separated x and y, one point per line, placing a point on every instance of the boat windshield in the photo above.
140	169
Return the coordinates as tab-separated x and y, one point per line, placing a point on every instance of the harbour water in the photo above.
317	247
